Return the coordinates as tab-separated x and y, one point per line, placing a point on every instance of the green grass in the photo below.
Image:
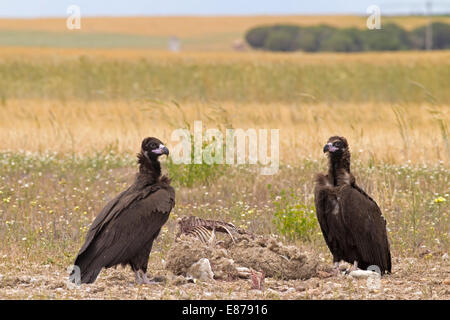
244	81
79	40
74	39
292	217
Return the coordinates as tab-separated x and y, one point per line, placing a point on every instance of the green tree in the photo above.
256	37
344	40
390	37
279	40
440	36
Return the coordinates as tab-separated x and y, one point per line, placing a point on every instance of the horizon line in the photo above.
224	15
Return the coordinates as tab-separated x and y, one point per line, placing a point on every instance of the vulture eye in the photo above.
338	144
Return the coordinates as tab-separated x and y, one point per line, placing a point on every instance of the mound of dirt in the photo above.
227	257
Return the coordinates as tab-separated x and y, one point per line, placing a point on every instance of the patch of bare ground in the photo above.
412	278
252	252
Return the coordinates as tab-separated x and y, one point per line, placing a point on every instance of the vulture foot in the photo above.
336	270
354	267
141	278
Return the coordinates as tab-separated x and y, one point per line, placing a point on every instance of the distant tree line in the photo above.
327	38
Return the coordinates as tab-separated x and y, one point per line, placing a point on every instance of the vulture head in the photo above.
337	148
151	149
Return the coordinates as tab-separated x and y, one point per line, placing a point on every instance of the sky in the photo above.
58	8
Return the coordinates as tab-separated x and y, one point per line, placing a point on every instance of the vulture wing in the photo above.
366	225
127	225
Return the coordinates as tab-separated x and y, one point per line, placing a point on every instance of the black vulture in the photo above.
351	221
124	231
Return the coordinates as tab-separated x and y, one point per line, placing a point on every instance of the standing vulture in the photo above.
351	221
124	231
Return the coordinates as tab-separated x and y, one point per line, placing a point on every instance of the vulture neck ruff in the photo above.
149	168
338	164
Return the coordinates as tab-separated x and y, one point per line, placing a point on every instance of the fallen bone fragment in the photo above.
205	230
243	272
201	270
363	274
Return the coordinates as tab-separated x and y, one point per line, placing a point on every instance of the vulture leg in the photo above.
139	280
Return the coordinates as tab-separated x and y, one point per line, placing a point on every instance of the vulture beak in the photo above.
329	148
161	150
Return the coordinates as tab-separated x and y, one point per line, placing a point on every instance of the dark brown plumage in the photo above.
351	221
124	231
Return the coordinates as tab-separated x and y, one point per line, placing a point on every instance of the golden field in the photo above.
394	107
196	26
36	54
378	132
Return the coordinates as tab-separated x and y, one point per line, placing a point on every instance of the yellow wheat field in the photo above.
197	26
36	54
380	132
